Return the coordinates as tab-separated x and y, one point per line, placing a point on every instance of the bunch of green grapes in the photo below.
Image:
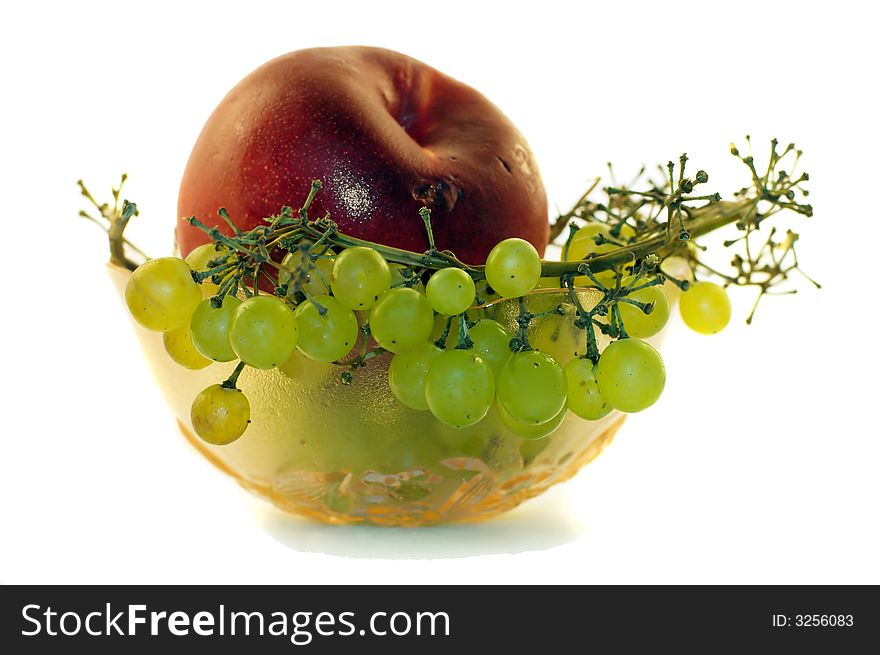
340	300
457	377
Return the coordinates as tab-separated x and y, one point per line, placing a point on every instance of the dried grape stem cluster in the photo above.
665	221
113	219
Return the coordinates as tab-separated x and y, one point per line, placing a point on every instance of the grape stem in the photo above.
230	382
520	341
464	341
425	213
115	219
441	340
703	221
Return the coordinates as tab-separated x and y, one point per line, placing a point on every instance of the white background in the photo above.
760	462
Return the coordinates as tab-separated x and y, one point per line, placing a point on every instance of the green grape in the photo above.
402	319
179	346
526	430
584	397
360	275
459	387
631	375
492	343
161	294
556	334
327	337
220	415
451	291
583	244
636	322
263	331
406	375
513	268
316	280
398	279
531	387
210	329
198	260
705	308
199	256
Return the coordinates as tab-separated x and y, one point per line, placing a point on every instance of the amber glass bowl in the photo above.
352	454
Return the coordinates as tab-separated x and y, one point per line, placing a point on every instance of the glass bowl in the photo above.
350	453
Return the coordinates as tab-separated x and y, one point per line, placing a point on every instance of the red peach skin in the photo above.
386	134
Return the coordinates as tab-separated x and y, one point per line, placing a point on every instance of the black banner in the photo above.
514	619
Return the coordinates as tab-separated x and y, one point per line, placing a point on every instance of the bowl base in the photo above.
325	497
